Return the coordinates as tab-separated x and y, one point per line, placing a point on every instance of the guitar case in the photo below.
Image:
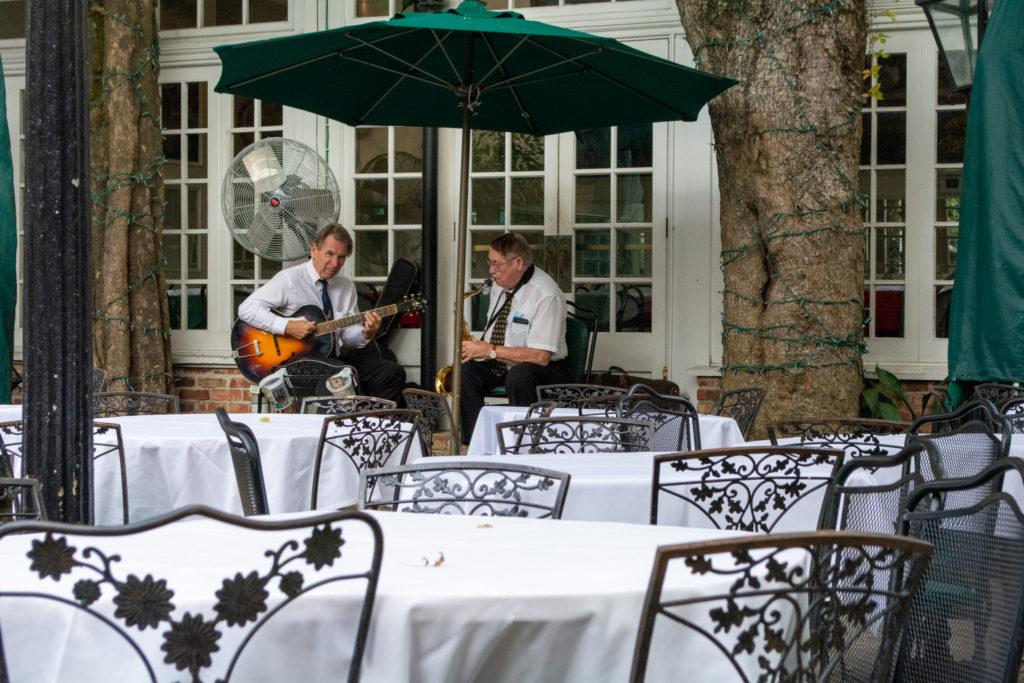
403	279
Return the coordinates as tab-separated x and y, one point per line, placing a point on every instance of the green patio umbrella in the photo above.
466	68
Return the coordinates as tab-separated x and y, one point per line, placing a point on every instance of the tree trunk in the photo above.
787	141
130	335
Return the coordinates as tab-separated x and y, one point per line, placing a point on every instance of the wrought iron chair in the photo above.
966	622
584	434
816	606
857	437
968	439
484	488
102	571
741	405
20	499
117	403
245	457
106	440
369	440
747	488
329	405
1013	409
569	395
997	392
675	420
870	493
437	416
540	409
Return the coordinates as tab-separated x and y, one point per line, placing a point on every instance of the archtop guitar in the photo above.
258	353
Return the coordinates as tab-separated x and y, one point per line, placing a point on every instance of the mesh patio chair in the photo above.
484	488
816	606
110	579
569	395
967	621
856	436
747	488
584	434
741	405
20	499
675	420
1013	409
368	440
997	392
245	458
437	417
118	403
968	439
106	441
330	405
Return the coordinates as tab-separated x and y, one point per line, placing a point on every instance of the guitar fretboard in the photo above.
350	320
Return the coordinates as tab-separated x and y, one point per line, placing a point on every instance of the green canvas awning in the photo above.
8	251
986	330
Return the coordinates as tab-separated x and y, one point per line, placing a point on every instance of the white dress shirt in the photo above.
537	317
295	287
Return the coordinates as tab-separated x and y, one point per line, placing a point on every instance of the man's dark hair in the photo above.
338	231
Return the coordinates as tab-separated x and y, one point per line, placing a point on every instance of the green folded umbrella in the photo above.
467	68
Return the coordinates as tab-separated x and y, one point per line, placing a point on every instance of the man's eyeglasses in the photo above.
499	264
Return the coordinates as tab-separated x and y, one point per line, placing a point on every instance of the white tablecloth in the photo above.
514	600
183	459
715	432
10	412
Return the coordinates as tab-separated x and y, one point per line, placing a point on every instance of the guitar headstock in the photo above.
413	302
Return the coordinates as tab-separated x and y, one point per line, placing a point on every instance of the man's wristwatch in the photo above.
493	354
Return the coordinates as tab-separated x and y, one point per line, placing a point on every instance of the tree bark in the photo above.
787	141
130	340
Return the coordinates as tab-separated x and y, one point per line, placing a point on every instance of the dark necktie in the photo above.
498	334
325	301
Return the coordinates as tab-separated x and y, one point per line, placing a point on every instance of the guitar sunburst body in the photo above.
258	353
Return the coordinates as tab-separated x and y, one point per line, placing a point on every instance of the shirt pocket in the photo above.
516	333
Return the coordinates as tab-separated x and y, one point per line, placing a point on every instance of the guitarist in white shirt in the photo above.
302	285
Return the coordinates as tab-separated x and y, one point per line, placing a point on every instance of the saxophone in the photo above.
443	379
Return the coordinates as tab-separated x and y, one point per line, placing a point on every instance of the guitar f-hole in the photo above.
277	347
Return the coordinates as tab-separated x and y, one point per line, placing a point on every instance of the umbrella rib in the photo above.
500	64
274	72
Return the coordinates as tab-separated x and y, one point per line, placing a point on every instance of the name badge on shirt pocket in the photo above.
520	320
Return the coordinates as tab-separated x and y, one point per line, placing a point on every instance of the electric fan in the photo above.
277	194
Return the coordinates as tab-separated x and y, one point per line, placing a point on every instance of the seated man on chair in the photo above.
523	344
319	282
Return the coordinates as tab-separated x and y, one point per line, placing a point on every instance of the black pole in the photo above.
57	444
429	274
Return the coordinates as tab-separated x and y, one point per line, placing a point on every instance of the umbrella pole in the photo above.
460	271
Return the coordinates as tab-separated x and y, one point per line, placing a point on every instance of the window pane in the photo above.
634	252
170	105
488	201
196	208
174	305
408	150
536	3
889	253
372	8
947	195
408	201
593	199
196	104
892	138
480	246
597	298
946	95
371	253
593	253
527	152
946	244
172	252
865	141
888	312
197	256
951	133
269	269
409	244
243	263
593	148
890	198
12	19
635	145
527	201
865	189
222	12
892	77
633	312
634	198
196	304
242	140
371	202
245	112
267	10
488	151
371	150
179	14
172	153
271	114
197	155
172	209
943	296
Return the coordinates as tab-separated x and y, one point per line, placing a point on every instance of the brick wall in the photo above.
708	391
202	390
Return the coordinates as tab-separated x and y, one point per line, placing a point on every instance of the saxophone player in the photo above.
523	343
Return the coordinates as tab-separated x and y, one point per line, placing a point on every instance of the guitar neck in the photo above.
351	320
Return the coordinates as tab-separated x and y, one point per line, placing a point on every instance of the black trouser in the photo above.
521	382
378	376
